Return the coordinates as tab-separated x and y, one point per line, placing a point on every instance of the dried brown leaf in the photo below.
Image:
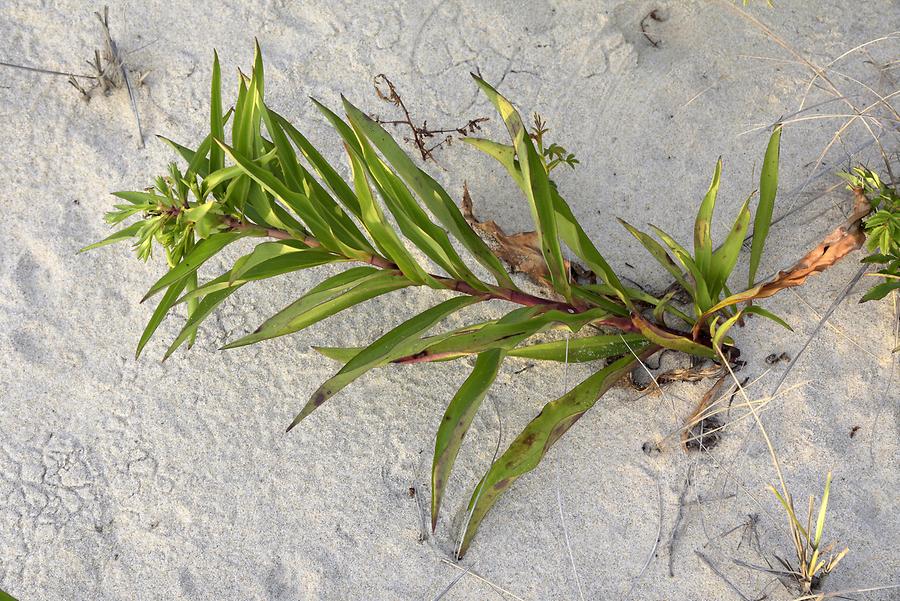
521	251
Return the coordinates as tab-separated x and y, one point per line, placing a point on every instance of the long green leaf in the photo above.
313	197
335	294
192	261
412	220
768	189
381	231
204	308
575	237
568	227
820	521
431	193
580	350
702	240
538	188
700	290
756	310
269	268
297	201
660	254
667	339
515	327
530	446
216	125
165	303
329	174
382	351
719	334
726	256
879	291
119	236
456	422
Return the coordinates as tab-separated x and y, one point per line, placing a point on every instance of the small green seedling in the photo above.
882	230
812	563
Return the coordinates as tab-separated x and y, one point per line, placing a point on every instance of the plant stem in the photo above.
494	292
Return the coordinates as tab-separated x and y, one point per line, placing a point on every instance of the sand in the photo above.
125	479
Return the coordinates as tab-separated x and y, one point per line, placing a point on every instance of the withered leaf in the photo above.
521	251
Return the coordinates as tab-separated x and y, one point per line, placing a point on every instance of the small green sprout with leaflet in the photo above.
882	229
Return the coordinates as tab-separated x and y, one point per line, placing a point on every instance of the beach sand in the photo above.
136	479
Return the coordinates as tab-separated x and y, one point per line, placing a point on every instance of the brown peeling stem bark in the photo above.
846	238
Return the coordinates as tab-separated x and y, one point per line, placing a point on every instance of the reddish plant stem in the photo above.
495	292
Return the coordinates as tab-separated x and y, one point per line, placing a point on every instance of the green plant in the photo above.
882	229
812	564
265	181
705	274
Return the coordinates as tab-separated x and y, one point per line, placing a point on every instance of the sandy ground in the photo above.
124	479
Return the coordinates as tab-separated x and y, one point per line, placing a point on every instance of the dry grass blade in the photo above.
451	584
719	573
696	418
115	70
818	74
45	71
843	593
504	592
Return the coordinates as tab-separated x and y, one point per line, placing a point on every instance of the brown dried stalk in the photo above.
420	134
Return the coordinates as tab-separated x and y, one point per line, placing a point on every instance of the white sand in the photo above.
124	479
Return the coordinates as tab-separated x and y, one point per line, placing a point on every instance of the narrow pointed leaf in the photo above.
335	294
537	188
216	124
341	354
382	351
879	291
351	241
726	256
165	303
530	446
756	310
119	236
660	254
768	188
193	260
329	175
820	522
666	339
269	268
412	220
570	231
456	422
580	350
431	193
702	240
204	308
700	289
297	201
719	335
514	328
373	218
